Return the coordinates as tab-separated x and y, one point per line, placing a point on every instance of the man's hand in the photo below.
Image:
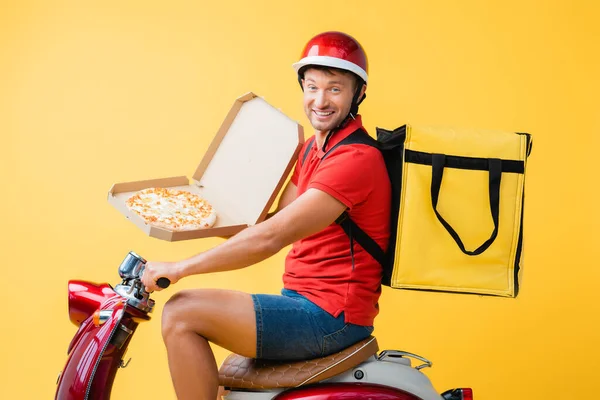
155	270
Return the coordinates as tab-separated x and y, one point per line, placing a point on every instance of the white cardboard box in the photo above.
240	175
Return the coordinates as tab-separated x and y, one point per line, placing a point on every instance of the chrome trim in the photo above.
126	329
132	288
100	357
145	304
132	266
104	315
397	353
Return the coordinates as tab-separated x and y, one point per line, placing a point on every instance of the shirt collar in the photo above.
352	125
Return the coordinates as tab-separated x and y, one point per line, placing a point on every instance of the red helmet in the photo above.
337	50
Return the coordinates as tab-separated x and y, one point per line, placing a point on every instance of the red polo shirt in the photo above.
320	266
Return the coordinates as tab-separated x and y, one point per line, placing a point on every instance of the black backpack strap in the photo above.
355	233
359	136
350	228
307	150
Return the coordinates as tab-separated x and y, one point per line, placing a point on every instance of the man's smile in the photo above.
322	114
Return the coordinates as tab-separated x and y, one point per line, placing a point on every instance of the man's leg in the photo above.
191	319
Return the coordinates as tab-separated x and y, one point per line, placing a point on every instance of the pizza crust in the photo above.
172	209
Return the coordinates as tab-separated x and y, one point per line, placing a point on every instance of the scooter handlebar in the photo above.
163	283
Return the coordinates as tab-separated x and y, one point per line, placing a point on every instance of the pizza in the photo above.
176	210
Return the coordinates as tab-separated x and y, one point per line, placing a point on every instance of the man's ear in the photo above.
362	91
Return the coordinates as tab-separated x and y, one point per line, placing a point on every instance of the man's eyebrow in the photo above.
328	82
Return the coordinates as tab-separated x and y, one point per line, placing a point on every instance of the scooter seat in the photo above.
239	372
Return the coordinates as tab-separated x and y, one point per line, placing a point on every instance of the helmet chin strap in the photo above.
356	101
353	111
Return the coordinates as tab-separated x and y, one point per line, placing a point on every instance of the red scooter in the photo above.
107	318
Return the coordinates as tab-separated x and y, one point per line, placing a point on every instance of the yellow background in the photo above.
97	92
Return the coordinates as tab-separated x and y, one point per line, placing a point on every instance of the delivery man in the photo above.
331	284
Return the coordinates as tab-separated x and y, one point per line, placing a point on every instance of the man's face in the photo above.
327	97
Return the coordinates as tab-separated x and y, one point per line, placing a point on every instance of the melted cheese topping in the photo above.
172	209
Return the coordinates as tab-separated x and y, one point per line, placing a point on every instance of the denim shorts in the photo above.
291	327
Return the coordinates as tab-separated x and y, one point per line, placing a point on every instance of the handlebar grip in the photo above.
163	283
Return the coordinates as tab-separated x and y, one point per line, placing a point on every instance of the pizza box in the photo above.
240	175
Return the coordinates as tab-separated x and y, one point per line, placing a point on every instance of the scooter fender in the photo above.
344	391
390	372
89	372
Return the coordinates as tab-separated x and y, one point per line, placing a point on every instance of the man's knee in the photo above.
176	315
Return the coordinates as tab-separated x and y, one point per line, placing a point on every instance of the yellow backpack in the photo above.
457	209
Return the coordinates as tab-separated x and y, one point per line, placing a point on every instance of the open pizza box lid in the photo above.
240	175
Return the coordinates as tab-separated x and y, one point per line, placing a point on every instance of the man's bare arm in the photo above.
308	214
289	194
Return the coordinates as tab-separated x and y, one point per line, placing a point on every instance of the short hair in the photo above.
330	70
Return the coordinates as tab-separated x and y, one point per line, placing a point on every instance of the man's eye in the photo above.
335	90
311	87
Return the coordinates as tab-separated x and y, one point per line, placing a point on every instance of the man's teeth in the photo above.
323	114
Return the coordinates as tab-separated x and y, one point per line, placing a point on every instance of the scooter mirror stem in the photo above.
132	266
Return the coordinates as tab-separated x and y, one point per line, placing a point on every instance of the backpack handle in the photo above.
495	173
